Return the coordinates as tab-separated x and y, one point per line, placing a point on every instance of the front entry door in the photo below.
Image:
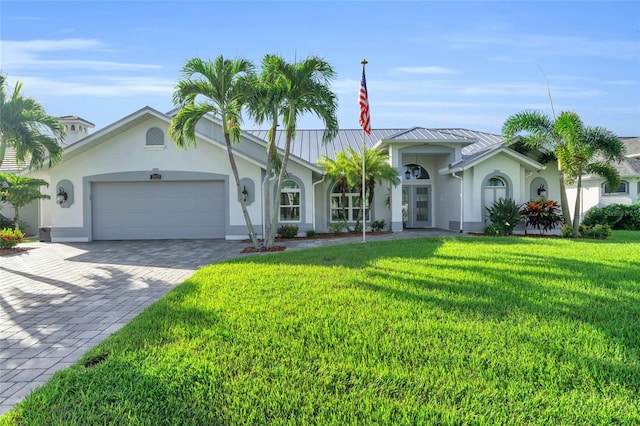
416	206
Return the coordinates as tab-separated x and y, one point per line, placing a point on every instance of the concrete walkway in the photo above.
59	300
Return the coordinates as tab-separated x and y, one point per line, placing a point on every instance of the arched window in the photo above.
347	206
495	187
623	188
414	171
155	137
290	201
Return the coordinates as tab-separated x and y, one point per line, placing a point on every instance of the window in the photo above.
623	188
290	201
347	206
495	182
155	137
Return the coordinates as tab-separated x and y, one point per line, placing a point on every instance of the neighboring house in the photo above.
129	181
596	193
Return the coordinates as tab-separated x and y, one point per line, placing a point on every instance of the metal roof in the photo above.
9	164
308	144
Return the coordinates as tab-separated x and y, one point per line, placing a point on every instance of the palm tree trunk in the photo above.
16	218
564	203
276	199
576	211
271	147
236	176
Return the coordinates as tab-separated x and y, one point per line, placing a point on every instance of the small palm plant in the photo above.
503	216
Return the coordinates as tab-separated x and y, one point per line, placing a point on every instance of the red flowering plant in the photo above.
542	214
9	238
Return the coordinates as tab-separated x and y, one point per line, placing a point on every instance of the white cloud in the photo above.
427	70
99	87
30	54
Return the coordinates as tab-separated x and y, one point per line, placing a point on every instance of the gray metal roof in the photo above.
628	166
308	144
632	145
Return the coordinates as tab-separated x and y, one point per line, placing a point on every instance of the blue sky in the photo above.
431	64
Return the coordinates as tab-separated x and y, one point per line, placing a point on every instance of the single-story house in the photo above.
129	181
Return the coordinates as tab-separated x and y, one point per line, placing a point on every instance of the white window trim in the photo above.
350	207
622	182
297	190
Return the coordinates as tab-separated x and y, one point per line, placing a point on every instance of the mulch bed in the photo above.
319	236
7	252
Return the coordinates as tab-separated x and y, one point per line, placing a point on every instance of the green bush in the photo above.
9	237
336	227
598	232
378	225
542	214
504	215
311	233
5	222
567	230
617	216
288	231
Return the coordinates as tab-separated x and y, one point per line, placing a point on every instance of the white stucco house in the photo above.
129	181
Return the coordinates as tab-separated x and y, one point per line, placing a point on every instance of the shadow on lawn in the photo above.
604	295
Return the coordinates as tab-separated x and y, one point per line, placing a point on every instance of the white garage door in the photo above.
158	210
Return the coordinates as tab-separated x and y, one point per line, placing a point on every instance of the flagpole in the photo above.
364	198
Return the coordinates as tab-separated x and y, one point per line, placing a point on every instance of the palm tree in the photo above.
377	169
18	191
336	170
220	88
576	148
301	87
267	105
26	127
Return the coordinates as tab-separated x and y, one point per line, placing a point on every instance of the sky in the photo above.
431	64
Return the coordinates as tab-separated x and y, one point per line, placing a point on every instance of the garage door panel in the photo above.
158	210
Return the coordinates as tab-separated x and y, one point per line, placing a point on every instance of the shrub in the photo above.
567	230
9	238
357	227
599	232
378	225
311	233
504	214
5	222
491	229
288	231
542	214
336	227
617	216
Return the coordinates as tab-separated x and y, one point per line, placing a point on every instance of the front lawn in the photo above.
471	330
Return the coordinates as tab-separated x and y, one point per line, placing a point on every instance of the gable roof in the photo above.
628	167
632	145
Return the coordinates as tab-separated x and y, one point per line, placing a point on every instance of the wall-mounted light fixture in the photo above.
416	172
407	174
62	196
541	190
245	193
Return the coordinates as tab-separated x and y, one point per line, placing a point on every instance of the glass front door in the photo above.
416	206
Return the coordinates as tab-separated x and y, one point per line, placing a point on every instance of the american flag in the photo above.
363	100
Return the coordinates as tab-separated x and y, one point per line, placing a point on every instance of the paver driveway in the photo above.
59	300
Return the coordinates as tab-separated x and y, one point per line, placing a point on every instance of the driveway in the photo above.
59	300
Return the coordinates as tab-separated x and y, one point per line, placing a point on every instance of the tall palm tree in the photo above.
267	105
220	88
28	129
586	150
305	89
577	149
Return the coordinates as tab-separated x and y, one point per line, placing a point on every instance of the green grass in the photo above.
471	330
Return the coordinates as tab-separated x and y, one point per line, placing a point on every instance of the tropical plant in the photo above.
288	231
28	129
503	216
18	191
378	225
336	170
10	238
578	150
294	90
220	88
346	171
542	214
